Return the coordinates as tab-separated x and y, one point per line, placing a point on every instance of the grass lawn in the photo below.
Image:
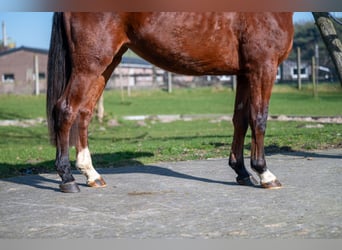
26	150
216	100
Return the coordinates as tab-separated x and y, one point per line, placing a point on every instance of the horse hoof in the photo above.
247	181
272	184
69	187
98	183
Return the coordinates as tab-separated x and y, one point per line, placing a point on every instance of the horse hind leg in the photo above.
64	116
240	121
73	113
262	80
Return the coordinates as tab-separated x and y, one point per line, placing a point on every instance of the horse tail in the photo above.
59	68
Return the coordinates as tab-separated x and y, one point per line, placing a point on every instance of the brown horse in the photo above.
86	47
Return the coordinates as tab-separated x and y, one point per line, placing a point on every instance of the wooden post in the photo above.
121	87
299	67
313	72
234	82
169	82
154	76
36	73
317	62
131	81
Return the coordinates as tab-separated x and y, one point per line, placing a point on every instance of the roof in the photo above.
125	60
23	48
135	61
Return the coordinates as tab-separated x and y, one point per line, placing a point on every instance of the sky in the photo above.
33	29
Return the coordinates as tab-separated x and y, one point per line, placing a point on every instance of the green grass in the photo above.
21	106
26	150
290	101
216	100
181	101
284	100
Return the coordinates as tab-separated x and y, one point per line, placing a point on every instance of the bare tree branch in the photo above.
330	38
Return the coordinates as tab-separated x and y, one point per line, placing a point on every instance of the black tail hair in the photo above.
59	69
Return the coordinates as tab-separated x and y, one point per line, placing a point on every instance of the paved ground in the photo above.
195	199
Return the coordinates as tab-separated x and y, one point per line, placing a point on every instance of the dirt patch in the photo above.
220	118
23	123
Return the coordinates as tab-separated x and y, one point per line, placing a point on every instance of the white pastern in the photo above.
267	176
85	165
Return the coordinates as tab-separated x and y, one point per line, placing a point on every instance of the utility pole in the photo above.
313	72
4	35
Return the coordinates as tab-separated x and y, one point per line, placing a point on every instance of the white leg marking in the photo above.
85	165
267	176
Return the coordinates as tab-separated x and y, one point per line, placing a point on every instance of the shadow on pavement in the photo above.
42	182
131	166
275	149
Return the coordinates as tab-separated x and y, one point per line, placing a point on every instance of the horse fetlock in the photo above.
85	165
239	168
94	179
268	180
90	173
64	171
258	165
267	176
232	161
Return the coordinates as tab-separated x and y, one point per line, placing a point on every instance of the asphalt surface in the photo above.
193	199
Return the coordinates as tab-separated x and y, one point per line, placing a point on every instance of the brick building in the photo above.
17	70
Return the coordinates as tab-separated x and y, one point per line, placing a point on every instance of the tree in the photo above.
330	38
306	36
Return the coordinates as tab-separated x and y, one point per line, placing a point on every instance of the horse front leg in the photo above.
261	87
240	122
83	156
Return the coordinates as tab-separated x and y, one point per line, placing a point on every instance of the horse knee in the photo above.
238	166
86	114
258	165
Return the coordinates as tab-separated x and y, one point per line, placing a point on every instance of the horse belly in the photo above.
188	43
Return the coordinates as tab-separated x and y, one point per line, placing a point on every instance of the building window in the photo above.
303	73
7	77
41	75
278	76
